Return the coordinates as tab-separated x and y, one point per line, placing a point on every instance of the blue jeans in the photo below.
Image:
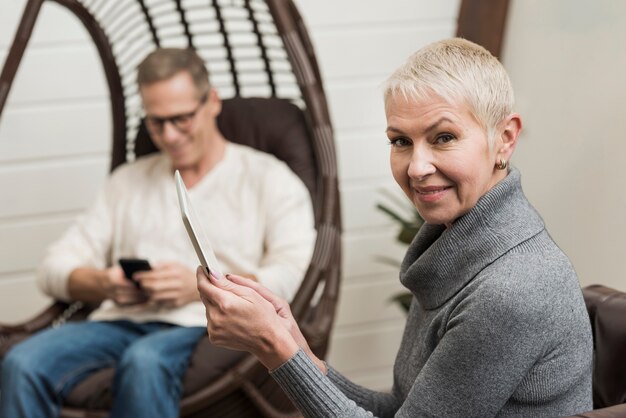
150	360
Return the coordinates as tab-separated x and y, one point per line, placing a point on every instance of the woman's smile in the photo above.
431	193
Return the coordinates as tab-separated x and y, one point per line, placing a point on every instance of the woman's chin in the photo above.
437	218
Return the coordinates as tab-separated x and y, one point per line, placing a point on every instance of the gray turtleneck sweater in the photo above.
497	327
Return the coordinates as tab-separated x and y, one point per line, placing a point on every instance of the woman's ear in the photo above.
509	132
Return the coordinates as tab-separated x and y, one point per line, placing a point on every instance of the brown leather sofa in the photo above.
607	312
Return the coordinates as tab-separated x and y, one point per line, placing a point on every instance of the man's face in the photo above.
180	120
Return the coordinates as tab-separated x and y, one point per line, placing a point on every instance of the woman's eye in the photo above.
399	142
444	138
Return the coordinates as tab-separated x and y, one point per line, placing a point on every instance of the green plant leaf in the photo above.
403	299
393	215
388	260
407	233
408	229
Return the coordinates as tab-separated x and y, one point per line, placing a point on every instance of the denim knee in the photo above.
144	359
19	362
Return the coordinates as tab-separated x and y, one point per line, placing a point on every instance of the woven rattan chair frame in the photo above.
253	48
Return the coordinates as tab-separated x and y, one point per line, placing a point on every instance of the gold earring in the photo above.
502	164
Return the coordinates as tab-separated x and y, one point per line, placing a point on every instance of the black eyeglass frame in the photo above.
181	121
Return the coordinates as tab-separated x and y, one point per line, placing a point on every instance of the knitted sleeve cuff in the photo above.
311	391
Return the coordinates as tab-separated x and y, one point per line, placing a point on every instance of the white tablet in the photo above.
194	230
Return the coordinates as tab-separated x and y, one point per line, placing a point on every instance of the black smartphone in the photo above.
133	265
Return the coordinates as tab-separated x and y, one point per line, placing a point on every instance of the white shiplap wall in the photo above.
54	145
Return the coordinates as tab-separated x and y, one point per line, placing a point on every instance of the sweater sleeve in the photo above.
318	395
85	244
290	232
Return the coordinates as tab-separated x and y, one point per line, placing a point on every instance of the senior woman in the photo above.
497	326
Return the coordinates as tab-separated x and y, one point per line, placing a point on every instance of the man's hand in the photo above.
119	289
93	286
169	285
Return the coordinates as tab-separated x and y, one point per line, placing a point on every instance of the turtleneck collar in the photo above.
440	262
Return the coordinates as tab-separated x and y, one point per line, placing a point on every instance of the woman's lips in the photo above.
431	193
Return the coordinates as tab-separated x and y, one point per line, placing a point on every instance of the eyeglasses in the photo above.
182	122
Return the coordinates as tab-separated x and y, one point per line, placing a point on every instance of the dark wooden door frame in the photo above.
483	22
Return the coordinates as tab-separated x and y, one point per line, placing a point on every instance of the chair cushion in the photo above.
272	125
607	310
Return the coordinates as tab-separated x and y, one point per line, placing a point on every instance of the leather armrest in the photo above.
617	411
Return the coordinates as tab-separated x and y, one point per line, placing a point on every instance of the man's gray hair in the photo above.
164	63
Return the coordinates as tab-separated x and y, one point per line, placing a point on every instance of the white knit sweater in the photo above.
256	212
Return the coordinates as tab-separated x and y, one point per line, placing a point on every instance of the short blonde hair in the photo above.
460	72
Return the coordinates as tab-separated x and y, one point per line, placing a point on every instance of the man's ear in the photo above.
214	103
510	129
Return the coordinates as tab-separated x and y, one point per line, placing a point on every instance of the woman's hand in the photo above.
283	310
240	318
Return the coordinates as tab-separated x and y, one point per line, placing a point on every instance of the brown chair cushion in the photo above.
617	411
272	125
607	311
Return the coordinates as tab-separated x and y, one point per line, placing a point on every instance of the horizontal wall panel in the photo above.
358	204
20	298
361	252
22	245
51	188
369	303
54	24
357	105
372	149
53	131
366	51
361	351
54	74
336	13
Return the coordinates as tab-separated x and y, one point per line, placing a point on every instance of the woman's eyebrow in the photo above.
436	125
429	128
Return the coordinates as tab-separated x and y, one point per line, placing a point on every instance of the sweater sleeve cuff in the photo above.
309	389
55	283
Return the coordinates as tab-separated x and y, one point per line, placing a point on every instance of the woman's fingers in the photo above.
242	291
209	293
267	294
218	291
243	281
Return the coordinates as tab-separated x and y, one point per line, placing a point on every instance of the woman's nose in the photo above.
421	164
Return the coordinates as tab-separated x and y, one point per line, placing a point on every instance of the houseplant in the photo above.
409	221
